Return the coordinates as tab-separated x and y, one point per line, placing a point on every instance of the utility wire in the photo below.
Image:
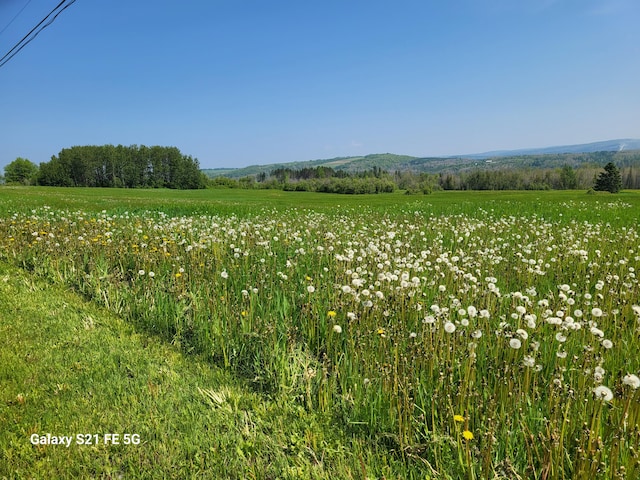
53	14
16	16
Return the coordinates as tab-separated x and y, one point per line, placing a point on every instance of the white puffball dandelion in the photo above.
449	327
606	343
337	328
596	312
311	289
515	343
631	380
603	393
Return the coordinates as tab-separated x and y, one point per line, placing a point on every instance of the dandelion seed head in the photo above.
515	343
603	393
631	380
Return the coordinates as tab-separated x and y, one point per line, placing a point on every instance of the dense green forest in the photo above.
165	167
377	180
135	166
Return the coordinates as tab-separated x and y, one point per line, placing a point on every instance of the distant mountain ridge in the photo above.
546	157
605	146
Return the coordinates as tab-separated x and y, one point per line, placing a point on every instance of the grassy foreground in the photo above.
457	335
69	368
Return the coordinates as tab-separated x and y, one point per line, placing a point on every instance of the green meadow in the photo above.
269	334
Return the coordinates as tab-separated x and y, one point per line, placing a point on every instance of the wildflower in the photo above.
152	274
458	418
603	393
515	343
224	274
596	312
467	435
337	328
311	289
141	272
178	275
380	331
331	313
606	343
631	380
449	327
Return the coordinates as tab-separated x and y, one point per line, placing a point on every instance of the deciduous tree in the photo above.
21	171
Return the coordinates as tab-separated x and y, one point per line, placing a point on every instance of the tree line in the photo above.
165	167
135	166
376	180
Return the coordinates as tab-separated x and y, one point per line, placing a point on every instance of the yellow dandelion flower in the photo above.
380	331
331	313
458	418
467	435
243	313
178	275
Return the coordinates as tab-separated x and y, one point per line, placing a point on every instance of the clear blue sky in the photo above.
241	82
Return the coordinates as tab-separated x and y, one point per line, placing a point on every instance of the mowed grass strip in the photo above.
69	368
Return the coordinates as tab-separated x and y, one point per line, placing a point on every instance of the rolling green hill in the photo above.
392	162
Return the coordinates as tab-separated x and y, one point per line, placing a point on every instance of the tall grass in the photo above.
481	339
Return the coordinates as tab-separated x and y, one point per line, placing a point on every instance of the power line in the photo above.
28	38
16	16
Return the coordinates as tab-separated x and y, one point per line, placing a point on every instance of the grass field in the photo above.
455	335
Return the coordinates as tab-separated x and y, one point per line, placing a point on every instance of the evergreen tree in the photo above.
610	180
